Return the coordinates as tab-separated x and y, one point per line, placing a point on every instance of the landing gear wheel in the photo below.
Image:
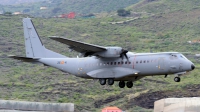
102	81
121	84
110	81
177	79
129	84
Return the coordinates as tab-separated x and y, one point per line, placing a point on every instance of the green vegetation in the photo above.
57	7
123	12
167	31
8	13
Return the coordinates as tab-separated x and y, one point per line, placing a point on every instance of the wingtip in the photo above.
54	37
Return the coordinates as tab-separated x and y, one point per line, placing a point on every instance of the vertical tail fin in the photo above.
33	43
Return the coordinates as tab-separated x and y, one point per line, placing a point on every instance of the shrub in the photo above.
123	12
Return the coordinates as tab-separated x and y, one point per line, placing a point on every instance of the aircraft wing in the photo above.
80	46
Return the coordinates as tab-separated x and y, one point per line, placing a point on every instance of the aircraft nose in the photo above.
192	67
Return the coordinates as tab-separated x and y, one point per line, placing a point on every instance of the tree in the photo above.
55	10
123	12
8	13
26	10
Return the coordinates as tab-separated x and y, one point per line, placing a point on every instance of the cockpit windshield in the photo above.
182	56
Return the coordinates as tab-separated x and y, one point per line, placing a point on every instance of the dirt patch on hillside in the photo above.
147	100
99	103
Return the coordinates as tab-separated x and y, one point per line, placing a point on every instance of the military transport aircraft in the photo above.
107	64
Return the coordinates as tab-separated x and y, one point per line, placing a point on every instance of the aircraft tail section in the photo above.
33	43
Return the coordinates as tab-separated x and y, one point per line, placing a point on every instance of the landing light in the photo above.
136	73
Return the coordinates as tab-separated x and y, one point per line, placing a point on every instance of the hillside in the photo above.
165	6
158	31
14	2
57	7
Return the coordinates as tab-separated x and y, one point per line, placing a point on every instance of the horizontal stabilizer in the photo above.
25	59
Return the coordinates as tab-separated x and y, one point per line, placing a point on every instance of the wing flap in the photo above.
79	46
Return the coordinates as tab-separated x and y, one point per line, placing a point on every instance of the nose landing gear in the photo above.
177	79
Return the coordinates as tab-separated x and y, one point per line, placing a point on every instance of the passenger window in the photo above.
126	62
144	61
141	61
115	63
122	62
118	63
111	63
136	61
129	62
107	63
147	61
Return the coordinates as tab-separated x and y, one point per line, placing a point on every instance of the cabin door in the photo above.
161	64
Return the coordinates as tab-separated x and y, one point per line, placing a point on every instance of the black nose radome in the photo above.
193	67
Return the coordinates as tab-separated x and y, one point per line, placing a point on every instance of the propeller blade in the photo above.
123	53
126	56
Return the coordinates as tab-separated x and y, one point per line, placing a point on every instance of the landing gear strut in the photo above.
129	84
102	81
177	79
121	84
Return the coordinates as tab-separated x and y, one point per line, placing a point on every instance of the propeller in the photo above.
123	53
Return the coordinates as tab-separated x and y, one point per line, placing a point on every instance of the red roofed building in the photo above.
111	109
71	15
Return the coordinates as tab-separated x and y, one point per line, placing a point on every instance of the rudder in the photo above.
34	46
33	43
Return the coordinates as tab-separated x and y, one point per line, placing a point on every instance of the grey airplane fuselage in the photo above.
108	64
147	63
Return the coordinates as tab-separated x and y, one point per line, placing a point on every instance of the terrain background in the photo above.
156	25
80	7
13	2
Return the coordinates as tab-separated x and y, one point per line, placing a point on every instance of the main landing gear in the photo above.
121	84
103	81
177	79
110	81
129	84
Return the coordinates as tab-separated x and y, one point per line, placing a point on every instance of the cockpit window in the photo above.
182	56
174	55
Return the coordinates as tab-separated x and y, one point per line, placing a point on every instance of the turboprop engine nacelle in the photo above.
112	52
